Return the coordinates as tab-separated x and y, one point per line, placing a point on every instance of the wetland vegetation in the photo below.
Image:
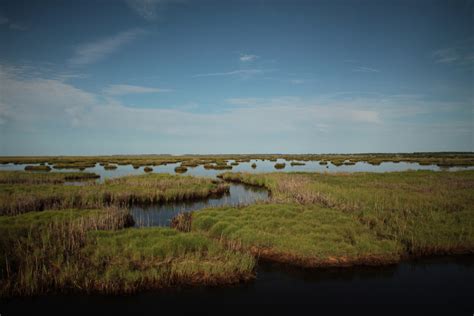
60	237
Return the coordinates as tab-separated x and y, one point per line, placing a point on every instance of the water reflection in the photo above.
425	286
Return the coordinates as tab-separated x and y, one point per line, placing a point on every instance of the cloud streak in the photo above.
247	58
93	52
240	72
123	89
365	69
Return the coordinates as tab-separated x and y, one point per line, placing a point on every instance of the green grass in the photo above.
21	177
280	165
426	212
110	167
38	168
40	251
306	235
132	259
89	251
126	191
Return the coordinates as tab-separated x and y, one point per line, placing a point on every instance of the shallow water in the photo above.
262	166
443	285
161	215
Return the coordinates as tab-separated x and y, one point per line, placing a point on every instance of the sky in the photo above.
202	77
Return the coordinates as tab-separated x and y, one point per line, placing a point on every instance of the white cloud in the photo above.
95	51
445	56
3	20
12	25
122	89
460	54
240	72
365	69
34	104
297	81
247	57
148	9
18	27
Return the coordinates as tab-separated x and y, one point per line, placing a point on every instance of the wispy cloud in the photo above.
247	58
460	55
12	25
148	9
297	81
122	89
365	69
447	55
239	72
89	53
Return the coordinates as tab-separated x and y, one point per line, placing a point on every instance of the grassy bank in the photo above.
308	236
21	177
89	251
424	212
143	189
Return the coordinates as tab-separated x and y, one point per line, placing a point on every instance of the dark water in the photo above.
442	285
161	215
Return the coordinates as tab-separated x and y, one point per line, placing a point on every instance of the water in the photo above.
262	166
161	215
442	285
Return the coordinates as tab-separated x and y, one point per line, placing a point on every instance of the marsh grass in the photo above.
74	165
297	163
280	165
180	169
306	235
426	212
124	192
110	167
37	168
89	251
20	177
41	251
218	166
254	165
148	169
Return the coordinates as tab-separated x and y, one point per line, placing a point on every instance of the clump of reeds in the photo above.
322	162
297	163
180	169
218	166
280	165
148	169
43	252
110	167
38	168
182	222
254	165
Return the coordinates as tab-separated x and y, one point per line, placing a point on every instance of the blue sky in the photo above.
163	76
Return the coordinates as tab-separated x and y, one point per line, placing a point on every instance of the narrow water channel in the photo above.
161	215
